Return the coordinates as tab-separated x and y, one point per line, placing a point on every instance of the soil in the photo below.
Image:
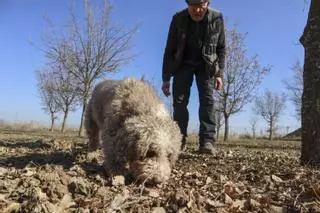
51	174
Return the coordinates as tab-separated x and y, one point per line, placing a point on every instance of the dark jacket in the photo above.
213	50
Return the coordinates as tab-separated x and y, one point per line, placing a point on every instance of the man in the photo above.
195	47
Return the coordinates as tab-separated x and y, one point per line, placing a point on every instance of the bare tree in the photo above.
310	116
66	92
219	118
253	124
295	87
269	107
46	90
219	123
242	75
91	52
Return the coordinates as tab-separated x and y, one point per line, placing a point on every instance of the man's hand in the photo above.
166	88
218	83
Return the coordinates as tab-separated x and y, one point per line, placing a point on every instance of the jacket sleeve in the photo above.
169	51
221	48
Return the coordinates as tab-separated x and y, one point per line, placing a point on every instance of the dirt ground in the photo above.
42	172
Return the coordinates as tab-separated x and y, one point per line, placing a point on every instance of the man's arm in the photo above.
169	51
221	51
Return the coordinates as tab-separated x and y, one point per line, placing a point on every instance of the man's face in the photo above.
197	11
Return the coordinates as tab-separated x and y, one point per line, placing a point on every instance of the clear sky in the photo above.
273	28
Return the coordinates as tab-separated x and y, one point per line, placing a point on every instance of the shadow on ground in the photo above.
37	159
38	144
66	159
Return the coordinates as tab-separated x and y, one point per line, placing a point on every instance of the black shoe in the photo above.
183	148
183	144
207	149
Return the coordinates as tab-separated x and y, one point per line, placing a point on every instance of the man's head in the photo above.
197	8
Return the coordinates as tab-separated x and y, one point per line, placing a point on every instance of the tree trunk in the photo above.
310	117
226	128
64	119
84	107
218	132
270	130
52	121
253	133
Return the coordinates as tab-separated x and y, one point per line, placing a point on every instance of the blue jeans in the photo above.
182	82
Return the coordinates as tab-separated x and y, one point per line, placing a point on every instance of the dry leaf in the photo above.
215	204
276	179
12	208
118	180
158	210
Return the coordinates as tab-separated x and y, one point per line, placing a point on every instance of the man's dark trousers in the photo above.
182	82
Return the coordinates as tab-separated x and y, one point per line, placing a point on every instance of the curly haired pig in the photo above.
137	134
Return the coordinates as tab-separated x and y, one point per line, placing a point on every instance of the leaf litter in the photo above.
53	176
